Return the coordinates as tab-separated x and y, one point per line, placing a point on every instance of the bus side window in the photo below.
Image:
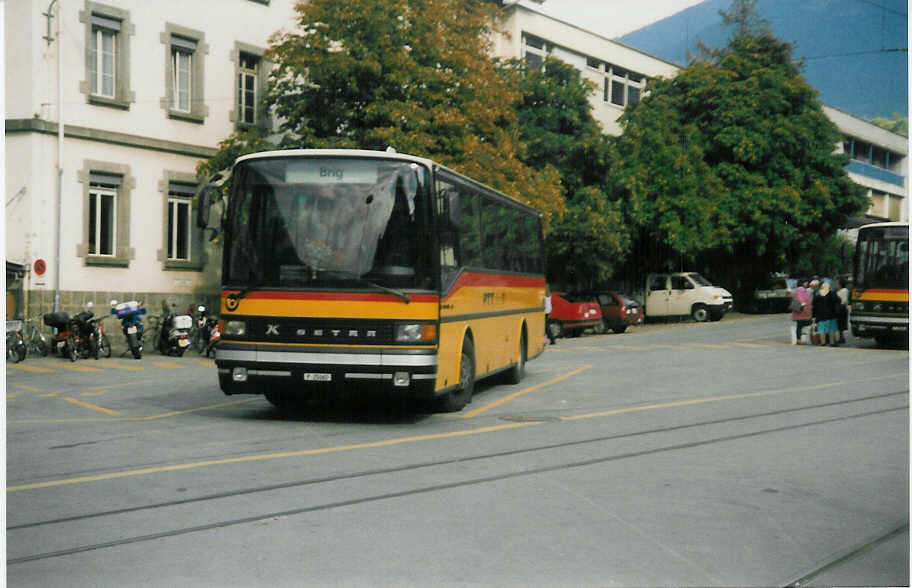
448	203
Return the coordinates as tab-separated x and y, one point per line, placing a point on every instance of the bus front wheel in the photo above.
455	400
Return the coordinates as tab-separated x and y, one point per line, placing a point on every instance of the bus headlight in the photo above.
235	328
859	306
416	333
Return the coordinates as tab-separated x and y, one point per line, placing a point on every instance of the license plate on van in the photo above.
309	377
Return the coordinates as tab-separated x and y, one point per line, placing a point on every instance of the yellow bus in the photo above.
880	290
350	270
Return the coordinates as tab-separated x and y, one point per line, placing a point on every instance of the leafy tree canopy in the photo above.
412	74
732	161
558	129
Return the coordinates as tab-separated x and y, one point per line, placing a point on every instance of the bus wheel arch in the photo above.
515	374
456	399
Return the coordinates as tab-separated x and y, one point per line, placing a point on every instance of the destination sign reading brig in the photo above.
331	171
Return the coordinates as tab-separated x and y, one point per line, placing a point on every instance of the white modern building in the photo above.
145	90
879	158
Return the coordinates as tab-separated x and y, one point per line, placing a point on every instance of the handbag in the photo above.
795	306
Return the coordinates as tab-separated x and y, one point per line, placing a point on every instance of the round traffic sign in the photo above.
40	267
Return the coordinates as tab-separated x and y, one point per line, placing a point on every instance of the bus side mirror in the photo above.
207	194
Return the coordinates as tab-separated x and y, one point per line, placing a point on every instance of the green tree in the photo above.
412	74
898	124
557	128
731	165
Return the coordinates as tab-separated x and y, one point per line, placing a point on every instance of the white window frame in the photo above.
181	55
247	75
541	53
626	83
99	33
174	211
98	192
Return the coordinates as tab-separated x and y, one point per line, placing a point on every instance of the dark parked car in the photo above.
618	311
571	317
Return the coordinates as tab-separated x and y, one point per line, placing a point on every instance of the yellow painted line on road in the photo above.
191	410
754	345
74	367
50	395
96	393
407	440
509	397
123	366
711	345
268	456
708	399
92	406
170	365
11	395
28	368
129	419
29	388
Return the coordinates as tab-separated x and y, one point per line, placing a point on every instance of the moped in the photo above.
130	316
174	333
64	339
16	349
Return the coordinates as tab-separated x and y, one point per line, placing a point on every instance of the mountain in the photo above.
855	52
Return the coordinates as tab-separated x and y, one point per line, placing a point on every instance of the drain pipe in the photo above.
59	142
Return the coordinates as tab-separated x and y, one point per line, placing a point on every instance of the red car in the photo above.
618	311
572	318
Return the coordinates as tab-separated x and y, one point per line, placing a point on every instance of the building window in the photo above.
535	51
180	197
182	51
184	74
103	56
247	88
622	87
107	55
102	237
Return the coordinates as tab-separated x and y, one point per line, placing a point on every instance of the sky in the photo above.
611	18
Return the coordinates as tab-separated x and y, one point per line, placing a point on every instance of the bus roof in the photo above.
334	153
884	225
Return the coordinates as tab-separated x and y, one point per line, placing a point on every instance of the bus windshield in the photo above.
328	222
883	258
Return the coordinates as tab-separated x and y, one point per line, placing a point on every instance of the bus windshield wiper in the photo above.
405	298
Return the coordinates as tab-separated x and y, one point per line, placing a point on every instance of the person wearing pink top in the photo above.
802	318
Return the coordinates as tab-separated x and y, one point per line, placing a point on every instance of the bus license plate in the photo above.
309	377
131	330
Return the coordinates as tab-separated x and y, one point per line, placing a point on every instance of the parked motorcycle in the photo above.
64	339
16	349
174	333
87	334
215	335
130	316
206	327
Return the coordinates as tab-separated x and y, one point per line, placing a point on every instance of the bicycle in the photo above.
35	341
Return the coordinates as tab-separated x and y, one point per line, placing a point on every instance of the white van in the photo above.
685	293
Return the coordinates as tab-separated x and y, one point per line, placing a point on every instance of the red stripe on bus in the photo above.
468	280
338	296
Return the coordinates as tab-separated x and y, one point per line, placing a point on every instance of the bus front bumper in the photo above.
251	369
871	326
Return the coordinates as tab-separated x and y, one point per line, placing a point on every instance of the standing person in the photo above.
548	314
801	317
826	306
843	319
814	287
